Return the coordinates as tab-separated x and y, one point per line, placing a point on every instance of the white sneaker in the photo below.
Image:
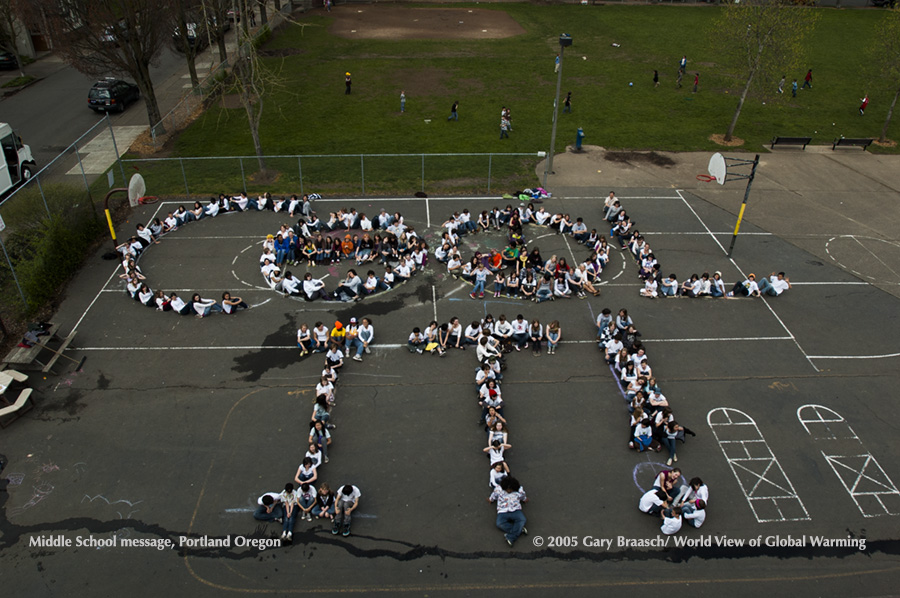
357	358
368	350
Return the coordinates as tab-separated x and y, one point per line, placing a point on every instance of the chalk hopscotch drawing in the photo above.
115	502
869	486
768	490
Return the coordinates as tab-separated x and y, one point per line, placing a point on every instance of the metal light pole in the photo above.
565	40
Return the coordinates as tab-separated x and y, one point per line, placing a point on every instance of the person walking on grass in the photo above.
504	127
454	111
402	101
556	64
347	83
781	84
863	105
567	104
807	80
794	89
696	81
655	78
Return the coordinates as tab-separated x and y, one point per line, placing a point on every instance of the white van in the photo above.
17	164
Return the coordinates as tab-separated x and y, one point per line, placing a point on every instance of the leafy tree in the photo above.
886	50
100	37
761	39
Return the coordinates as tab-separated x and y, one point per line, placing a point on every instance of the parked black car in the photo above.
112	95
8	61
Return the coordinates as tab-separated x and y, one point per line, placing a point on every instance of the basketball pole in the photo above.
737	226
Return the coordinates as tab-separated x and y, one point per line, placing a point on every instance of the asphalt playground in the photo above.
176	424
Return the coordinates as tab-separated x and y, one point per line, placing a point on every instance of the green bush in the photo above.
45	249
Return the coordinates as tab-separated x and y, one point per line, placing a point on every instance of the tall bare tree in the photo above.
101	37
191	33
886	51
9	28
761	39
252	80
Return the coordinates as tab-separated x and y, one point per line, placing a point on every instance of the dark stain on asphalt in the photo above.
254	365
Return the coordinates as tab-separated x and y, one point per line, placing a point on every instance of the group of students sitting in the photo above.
674	502
517	272
300	498
652	422
486	335
137	288
697	285
402	254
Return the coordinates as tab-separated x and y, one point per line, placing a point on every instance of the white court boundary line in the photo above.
885	356
782	484
869	470
399	345
765	302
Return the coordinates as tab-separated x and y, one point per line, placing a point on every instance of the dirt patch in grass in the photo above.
654	158
418	83
719	139
885	143
398	22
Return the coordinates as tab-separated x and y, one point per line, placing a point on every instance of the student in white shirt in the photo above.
212	209
269	507
747	288
320	337
671	521
519	332
495	452
231	304
775	285
651	502
312	287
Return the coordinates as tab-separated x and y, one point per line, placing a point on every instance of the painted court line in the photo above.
398	345
874	493
768	490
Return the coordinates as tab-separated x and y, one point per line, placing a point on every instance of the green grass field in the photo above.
310	114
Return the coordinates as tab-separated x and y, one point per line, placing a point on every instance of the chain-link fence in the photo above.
51	220
347	174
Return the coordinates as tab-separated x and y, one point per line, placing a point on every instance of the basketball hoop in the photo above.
705	178
717	168
136	190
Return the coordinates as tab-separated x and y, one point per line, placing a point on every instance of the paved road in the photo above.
52	113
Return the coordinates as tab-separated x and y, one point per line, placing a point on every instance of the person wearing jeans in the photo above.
480	275
774	285
346	502
269	507
321	437
510	518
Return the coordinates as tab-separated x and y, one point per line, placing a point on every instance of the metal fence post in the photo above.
490	164
41	189
83	175
184	177
362	172
112	135
243	178
423	173
300	170
13	270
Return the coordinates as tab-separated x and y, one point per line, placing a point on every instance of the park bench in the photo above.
24	403
850	141
804	141
27	357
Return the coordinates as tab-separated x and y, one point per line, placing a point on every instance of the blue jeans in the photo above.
766	287
543	295
354	342
715	292
317	510
667	291
288	525
479	287
453	116
261	515
511	523
669	443
520	338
